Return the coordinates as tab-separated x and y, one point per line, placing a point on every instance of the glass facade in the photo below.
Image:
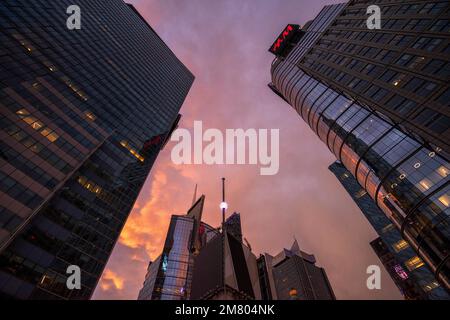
169	277
392	246
401	69
405	176
84	114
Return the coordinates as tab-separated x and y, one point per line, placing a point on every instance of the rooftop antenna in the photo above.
195	195
223	204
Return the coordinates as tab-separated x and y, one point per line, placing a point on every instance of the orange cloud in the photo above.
111	280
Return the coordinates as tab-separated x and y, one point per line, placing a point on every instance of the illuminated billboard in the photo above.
286	40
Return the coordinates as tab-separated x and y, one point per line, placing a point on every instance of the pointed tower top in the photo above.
295	247
195	195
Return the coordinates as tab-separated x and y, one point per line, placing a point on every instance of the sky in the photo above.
225	45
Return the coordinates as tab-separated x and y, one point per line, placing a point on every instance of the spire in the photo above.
223	204
195	195
295	247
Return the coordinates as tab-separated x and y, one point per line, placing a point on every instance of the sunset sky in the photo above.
225	45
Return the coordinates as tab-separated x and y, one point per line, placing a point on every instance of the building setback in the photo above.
380	104
84	114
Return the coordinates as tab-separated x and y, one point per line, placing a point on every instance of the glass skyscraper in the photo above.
84	114
414	283
381	114
169	277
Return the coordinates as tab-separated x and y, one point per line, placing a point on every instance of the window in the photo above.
404	59
426	43
400	245
437	122
427	89
434	65
388	75
444	98
430	286
416	62
441	26
440	125
400	41
414	263
414	84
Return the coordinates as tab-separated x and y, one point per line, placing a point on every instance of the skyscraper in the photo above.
421	283
404	282
169	277
84	114
293	275
377	100
226	269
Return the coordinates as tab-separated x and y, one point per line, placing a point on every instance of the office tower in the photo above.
169	277
84	114
421	283
404	282
391	133
293	275
233	225
225	268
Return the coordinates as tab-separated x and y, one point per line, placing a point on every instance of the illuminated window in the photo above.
90	116
30	120
443	171
388	228
360	193
23	112
127	146
37	125
445	200
89	185
414	263
52	137
430	286
400	245
425	184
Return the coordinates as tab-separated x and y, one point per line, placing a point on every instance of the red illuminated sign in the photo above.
280	44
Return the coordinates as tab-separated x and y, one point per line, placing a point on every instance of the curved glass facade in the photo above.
408	180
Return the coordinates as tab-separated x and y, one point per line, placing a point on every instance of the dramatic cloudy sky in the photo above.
224	43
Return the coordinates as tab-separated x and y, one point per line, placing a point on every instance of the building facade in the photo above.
401	161
84	114
414	282
226	269
404	282
293	275
169	277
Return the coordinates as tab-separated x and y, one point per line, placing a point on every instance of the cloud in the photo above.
110	279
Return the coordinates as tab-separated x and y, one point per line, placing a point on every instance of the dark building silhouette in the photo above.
376	99
84	114
169	277
225	268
